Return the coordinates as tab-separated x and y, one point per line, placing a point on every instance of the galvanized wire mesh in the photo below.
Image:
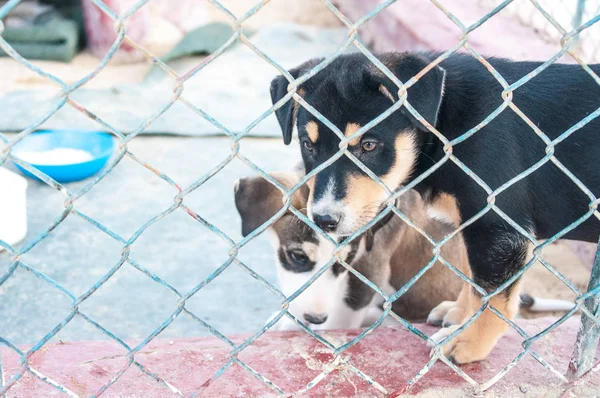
586	302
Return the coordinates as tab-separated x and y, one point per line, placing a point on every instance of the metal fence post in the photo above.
589	332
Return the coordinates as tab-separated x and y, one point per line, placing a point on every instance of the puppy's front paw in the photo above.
373	314
454	317
461	350
470	345
441	335
437	315
475	342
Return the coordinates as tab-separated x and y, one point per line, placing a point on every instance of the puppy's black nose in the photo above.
326	222
315	319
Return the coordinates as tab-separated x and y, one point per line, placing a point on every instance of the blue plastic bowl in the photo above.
101	146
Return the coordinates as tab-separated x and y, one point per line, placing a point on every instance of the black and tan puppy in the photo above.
454	97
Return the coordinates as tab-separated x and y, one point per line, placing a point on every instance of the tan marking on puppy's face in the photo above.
296	105
310	183
363	199
365	196
312	129
352	128
387	93
311	250
406	156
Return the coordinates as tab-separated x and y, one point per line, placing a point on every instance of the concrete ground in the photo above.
177	248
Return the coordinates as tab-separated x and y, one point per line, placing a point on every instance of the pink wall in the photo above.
417	25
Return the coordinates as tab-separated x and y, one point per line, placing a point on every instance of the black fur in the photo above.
543	203
298	264
293	257
279	89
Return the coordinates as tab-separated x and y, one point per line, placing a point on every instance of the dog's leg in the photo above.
456	314
439	312
505	256
476	341
449	313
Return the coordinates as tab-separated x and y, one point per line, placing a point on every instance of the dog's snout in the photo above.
315	319
327	222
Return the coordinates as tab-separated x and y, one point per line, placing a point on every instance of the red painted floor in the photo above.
291	360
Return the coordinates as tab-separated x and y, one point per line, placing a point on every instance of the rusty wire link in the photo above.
340	361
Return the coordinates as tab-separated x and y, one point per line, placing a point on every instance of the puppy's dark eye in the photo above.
308	145
368	146
298	257
295	260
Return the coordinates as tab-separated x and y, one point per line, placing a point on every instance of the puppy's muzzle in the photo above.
315	319
327	222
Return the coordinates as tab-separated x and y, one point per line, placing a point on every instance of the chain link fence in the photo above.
587	302
570	14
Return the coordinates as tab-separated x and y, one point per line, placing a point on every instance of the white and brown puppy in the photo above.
338	299
389	256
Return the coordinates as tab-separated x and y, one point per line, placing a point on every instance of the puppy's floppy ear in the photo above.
257	200
410	202
287	114
425	95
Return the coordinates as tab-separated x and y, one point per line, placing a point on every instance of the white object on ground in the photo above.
55	156
13	207
546	304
